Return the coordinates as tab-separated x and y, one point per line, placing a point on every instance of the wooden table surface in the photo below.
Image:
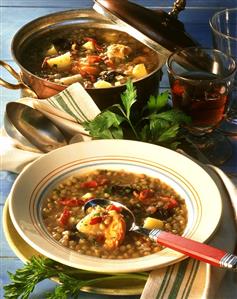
13	15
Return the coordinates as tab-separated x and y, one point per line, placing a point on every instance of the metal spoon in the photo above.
194	249
32	129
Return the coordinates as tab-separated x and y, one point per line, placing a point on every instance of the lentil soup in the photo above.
154	203
95	57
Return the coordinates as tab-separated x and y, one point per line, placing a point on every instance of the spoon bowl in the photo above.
191	248
31	129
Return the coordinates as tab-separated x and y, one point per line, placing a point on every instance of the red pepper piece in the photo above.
146	193
90	70
93	59
114	208
89	184
172	203
96	220
71	202
109	63
64	217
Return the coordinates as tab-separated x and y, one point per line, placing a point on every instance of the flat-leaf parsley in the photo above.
157	123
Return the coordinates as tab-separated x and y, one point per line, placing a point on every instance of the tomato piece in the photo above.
93	59
146	193
172	203
89	184
109	63
90	70
71	202
96	220
64	217
114	208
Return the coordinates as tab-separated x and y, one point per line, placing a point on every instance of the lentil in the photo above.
154	204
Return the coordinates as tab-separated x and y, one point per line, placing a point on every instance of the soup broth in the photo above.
151	200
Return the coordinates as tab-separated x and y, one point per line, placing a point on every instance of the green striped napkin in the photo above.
179	281
69	108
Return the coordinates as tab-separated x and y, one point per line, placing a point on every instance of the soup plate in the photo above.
185	176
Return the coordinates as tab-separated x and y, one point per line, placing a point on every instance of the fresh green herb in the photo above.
71	280
157	123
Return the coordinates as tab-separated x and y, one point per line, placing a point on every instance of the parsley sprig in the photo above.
24	280
157	123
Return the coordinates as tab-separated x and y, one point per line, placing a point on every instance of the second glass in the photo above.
201	81
224	33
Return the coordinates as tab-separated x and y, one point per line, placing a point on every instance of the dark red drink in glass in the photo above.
201	90
201	81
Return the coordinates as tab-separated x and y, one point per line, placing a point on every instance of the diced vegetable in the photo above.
172	203
89	184
51	51
139	71
90	69
70	80
87	196
146	193
61	62
95	44
96	220
102	84
64	217
152	223
89	46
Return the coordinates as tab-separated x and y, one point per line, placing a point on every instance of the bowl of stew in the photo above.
160	186
62	48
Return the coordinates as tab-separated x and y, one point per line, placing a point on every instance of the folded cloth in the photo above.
193	279
14	159
67	110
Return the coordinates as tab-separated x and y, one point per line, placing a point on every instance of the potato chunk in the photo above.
89	46
102	84
139	71
152	223
61	62
51	51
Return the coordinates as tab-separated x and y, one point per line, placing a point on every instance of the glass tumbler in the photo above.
201	81
224	34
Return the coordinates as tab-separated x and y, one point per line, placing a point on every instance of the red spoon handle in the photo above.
194	249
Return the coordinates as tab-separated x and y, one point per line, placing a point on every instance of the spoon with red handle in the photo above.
194	249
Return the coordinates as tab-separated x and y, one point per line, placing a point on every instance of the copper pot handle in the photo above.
26	89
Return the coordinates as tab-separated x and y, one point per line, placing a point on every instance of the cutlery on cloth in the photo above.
67	110
32	130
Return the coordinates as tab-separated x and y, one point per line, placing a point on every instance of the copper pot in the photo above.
37	87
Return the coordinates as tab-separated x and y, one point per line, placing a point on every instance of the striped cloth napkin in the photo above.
192	279
69	108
